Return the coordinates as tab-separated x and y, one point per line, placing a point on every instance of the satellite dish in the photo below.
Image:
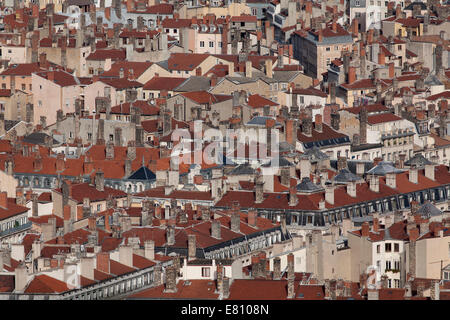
152	102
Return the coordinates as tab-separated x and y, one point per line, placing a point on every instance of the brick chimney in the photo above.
381	57
351	74
318	123
391	70
252	217
370	36
103	262
51	76
289	131
355	27
398	11
320	36
60	163
376	225
365	228
4	200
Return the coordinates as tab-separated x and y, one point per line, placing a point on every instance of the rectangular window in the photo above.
387	247
211	44
205	272
328	49
24	87
388	265
99	207
396	247
378	248
202	44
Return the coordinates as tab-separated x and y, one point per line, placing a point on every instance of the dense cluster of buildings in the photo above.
262	150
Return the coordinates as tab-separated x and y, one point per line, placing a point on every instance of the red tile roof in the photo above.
122	83
44	219
257	289
61	78
140	262
244	18
85	190
163	83
103	54
257	101
173	23
162	8
146	108
12	209
45	284
204	97
370	109
185	61
382	118
118	268
309	92
138	68
194	289
440	95
326	134
22	69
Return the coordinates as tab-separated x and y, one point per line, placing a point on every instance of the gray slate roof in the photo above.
261	121
37	138
418	160
314	154
242	169
194	83
282	162
345	176
428	210
307	186
384	168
